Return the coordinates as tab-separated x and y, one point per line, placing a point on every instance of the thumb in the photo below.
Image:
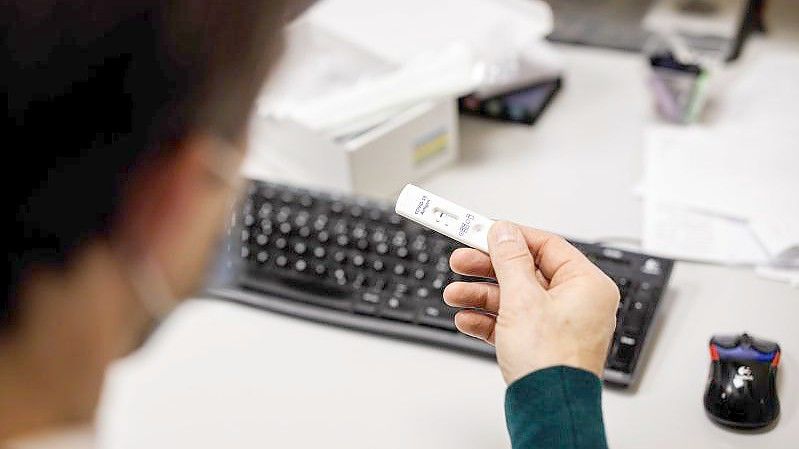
513	265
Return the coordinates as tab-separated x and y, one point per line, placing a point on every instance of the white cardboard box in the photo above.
403	149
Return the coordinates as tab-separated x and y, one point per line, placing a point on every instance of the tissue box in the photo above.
378	162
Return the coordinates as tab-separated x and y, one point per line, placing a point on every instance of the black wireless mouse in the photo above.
741	387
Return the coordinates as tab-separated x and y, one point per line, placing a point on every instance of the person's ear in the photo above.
176	206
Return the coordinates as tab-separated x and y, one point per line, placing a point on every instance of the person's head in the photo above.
125	127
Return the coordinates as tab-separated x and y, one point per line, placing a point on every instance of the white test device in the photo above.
443	216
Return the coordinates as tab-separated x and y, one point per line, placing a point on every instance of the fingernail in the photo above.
504	232
445	293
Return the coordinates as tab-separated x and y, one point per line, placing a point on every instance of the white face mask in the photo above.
148	278
152	288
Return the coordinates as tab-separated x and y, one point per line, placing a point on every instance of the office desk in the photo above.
219	375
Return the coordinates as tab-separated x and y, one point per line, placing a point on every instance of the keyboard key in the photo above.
399	307
339	256
359	232
306	201
379	235
320	223
419	243
635	317
283	215
287	197
380	284
439	282
646	292
341	276
402	252
400	288
362	244
265	210
399	241
368	303
302	218
371	297
625	352
340	227
268	192
359	281
625	287
438	314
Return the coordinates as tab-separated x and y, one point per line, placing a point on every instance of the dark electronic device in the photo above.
619	24
519	106
352	262
741	390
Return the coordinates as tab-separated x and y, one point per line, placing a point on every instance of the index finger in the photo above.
557	259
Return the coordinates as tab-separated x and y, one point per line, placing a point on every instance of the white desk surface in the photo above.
218	375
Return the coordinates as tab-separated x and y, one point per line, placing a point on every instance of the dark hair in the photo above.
95	88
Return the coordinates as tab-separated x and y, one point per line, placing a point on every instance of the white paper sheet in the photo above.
791	276
401	30
707	201
779	238
712	190
737	172
676	231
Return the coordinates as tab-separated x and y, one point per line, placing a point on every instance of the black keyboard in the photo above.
351	261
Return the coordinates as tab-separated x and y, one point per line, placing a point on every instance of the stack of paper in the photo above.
335	87
728	186
727	192
350	65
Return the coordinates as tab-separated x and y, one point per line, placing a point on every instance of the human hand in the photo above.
551	305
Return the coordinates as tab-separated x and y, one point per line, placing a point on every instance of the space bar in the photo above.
300	290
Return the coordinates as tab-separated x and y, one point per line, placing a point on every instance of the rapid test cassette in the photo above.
445	217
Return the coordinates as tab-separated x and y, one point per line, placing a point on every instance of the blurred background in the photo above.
659	136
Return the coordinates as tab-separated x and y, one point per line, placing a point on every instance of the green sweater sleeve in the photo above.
556	407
